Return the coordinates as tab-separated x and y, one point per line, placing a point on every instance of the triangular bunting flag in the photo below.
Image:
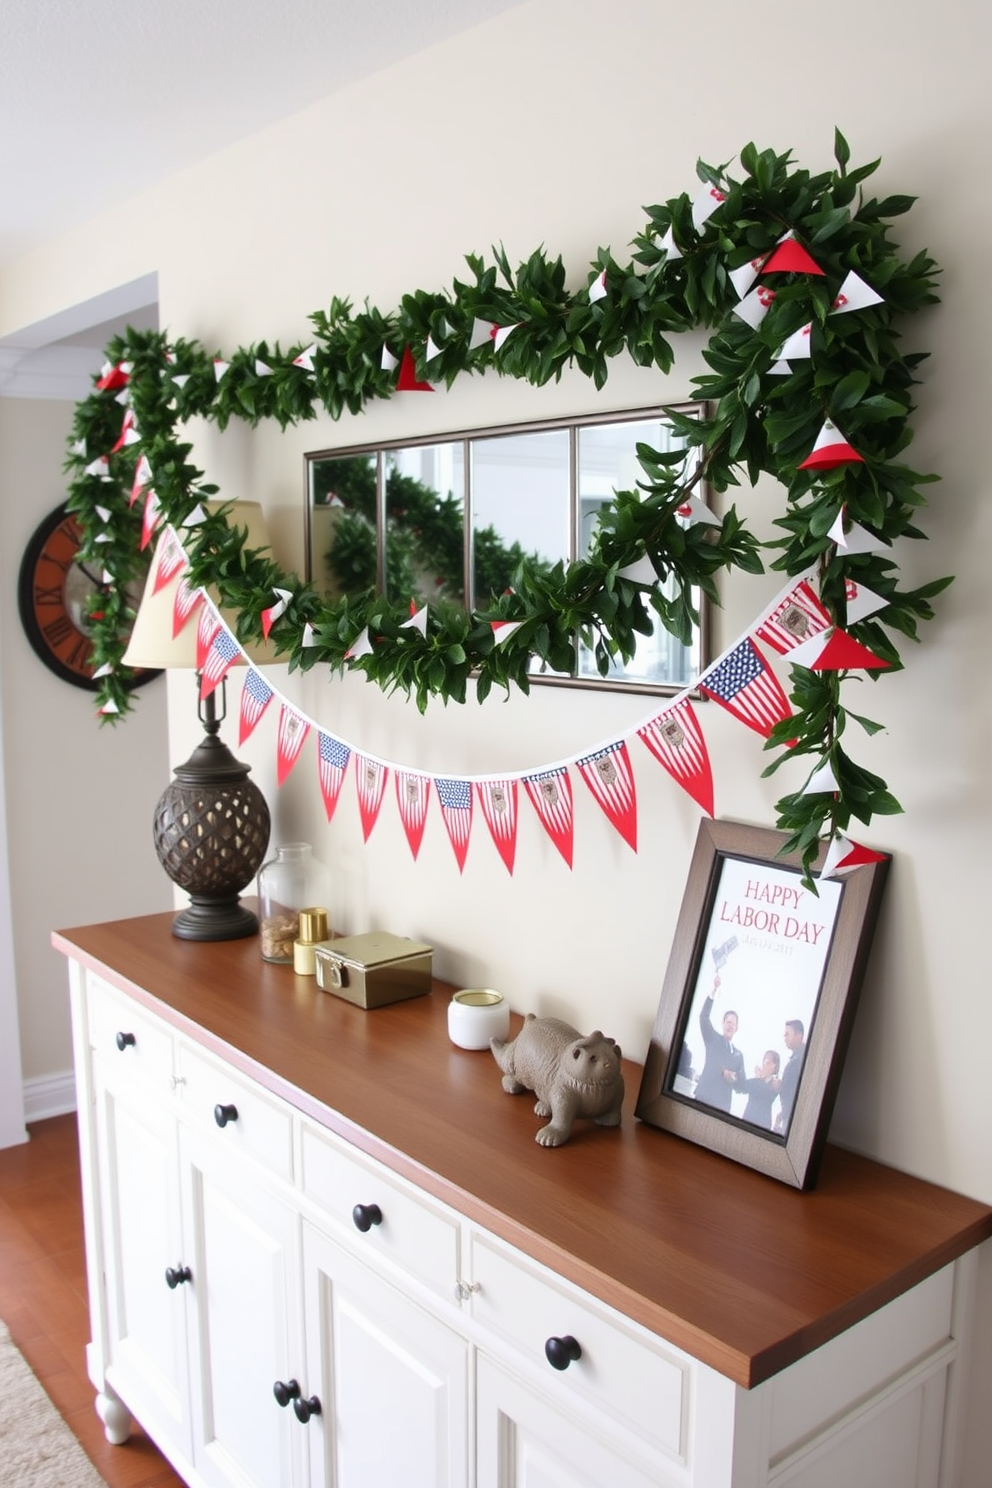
794	619
861	602
206	628
706	203
99	467
109	707
831	449
185	601
370	784
744	276
790	257
309	636
482	332
597	289
754	307
293	730
129	433
744	684
551	796
196	517
431	350
642	571
669	247
853	538
498	800
305	359
417	620
332	762
276	611
407	381
169	559
114	376
103	671
609	776
180	379
822	780
676	740
695	510
842	653
843	855
797	346
779	369
262	369
854	294
413	793
360	646
224	652
220	367
500	335
149	519
388	362
455	797
503	629
256	695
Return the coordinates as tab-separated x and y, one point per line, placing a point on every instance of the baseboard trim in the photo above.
49	1095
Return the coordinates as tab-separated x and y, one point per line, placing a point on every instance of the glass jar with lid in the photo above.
291	881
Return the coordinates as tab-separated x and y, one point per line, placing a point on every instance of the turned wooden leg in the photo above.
115	1416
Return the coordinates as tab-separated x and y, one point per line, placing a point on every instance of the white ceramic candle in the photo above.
476	1015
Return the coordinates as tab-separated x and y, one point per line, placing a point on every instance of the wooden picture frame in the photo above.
769	952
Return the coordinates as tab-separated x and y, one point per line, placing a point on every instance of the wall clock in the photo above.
54	595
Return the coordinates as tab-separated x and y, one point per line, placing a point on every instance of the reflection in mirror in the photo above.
449	521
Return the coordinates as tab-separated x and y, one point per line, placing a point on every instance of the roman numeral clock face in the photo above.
56	593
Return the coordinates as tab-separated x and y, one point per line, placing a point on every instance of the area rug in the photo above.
37	1449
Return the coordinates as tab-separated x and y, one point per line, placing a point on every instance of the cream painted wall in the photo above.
554	124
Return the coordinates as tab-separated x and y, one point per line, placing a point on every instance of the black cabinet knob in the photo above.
176	1276
365	1216
560	1352
285	1391
224	1114
125	1041
306	1408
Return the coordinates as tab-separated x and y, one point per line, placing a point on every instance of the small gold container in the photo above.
374	969
313	928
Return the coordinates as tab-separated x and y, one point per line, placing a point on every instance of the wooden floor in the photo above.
43	1294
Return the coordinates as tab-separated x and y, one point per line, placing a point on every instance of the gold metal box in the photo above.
374	969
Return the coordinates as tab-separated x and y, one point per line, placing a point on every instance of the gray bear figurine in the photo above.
570	1075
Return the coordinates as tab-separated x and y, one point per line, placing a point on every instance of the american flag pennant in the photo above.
597	289
706	203
99	467
417	620
843	855
184	602
305	358
755	306
256	695
790	257
609	776
455	797
551	796
795	619
482	332
293	730
498	802
854	294
676	741
220	367
854	538
669	247
129	432
642	571
169	559
112	376
831	449
274	612
370	783
822	781
501	333
360	646
224	652
797	346
746	686
149	519
408	382
262	369
207	627
861	602
503	629
332	762
413	794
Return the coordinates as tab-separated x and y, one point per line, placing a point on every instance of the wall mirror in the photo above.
447	519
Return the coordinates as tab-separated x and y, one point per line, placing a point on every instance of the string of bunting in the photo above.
800	283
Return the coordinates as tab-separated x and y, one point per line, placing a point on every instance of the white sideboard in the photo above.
324	1249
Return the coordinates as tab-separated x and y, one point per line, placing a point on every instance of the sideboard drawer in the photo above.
131	1042
242	1115
413	1231
622	1369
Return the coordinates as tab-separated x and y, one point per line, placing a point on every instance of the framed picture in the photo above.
758	1001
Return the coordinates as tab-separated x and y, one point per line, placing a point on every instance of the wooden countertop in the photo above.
742	1272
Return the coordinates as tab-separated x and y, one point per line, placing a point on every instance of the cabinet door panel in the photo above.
245	1324
394	1379
146	1322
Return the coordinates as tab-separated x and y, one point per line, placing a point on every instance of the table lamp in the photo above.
211	824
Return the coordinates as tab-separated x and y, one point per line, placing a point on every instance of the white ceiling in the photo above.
102	98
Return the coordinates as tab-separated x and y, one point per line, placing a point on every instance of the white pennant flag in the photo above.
856	539
854	294
796	346
305	359
597	289
360	646
754	307
388	362
706	204
669	247
502	332
262	369
181	379
220	368
695	510
861	602
431	350
196	516
309	636
482	331
822	780
417	621
641	572
743	277
99	467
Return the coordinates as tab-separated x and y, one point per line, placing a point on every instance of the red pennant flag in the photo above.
224	652
455	797
206	628
498	799
185	601
609	776
142	478
293	730
790	257
843	854
676	740
256	695
149	520
407	380
798	618
831	449
746	686
127	427
551	796
169	559
114	377
843	653
333	757
370	781
412	797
